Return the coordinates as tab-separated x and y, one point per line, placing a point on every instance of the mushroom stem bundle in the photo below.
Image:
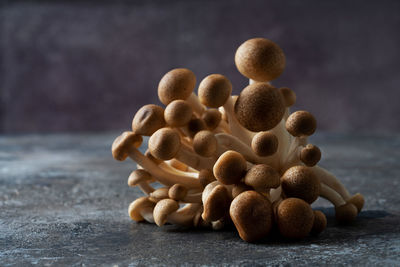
241	159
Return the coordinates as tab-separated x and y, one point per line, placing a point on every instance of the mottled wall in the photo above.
89	65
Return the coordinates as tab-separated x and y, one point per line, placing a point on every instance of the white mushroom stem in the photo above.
235	127
284	142
146	188
230	142
194	102
330	180
168	168
331	195
162	176
193	160
293	159
275	193
253	81
185	215
147	214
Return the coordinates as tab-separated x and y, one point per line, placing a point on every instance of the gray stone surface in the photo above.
88	65
64	200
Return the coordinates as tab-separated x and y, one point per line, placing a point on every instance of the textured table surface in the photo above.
64	200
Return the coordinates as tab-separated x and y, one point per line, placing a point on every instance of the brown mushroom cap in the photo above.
260	59
158	194
259	107
239	188
230	167
346	213
123	143
216	201
138	176
212	117
205	177
139	204
164	143
262	177
310	155
176	84
252	215
195	125
320	222
177	192
264	144
164	208
205	143
301	123
301	182
358	201
214	90
295	218
148	119
289	96
178	113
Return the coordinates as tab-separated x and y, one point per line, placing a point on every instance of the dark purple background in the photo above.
88	66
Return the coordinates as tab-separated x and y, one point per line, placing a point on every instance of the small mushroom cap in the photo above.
358	201
123	143
320	222
301	123
139	204
346	213
260	59
164	208
176	84
205	143
214	90
230	167
289	96
301	182
239	188
216	200
262	177
212	117
178	113
295	218
148	119
264	144
177	192
252	215
259	107
195	125
164	143
205	177
310	155
158	194
138	176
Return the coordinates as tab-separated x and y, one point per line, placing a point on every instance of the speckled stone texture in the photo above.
70	65
64	201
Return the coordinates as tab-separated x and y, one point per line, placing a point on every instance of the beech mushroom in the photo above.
148	119
301	182
165	144
159	194
252	215
205	177
295	218
264	144
140	209
212	118
239	188
301	123
259	107
289	97
260	59
177	192
178	113
230	167
141	178
262	178
320	222
310	155
216	201
205	143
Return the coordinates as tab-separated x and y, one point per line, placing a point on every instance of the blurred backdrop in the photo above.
89	65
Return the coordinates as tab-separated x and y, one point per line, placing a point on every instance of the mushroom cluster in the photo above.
222	158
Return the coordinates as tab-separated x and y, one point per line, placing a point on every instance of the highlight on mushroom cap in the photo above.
164	143
252	215
230	167
301	182
295	218
259	107
176	84
214	90
148	119
260	59
178	113
301	123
